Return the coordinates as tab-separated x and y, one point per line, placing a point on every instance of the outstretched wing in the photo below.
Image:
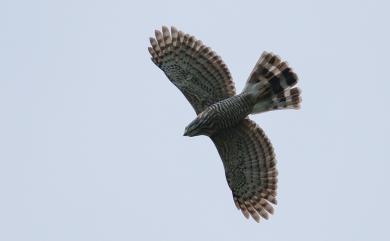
250	167
194	68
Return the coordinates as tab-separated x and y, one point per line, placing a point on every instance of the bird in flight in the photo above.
246	152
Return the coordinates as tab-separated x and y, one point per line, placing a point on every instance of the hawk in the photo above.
247	154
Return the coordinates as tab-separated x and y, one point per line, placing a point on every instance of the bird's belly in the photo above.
231	111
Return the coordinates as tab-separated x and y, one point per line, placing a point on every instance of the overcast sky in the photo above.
91	144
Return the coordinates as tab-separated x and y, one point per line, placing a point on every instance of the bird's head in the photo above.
203	124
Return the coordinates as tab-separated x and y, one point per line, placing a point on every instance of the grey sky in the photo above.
91	144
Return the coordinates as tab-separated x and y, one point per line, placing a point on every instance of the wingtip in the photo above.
157	33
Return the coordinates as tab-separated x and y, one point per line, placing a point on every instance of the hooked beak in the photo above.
190	131
185	132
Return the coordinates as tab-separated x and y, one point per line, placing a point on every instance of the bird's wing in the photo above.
198	72
250	168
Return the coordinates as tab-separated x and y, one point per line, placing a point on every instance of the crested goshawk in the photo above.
203	78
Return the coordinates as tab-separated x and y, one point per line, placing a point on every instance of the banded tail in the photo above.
272	84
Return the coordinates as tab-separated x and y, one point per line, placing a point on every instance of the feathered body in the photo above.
205	81
221	115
